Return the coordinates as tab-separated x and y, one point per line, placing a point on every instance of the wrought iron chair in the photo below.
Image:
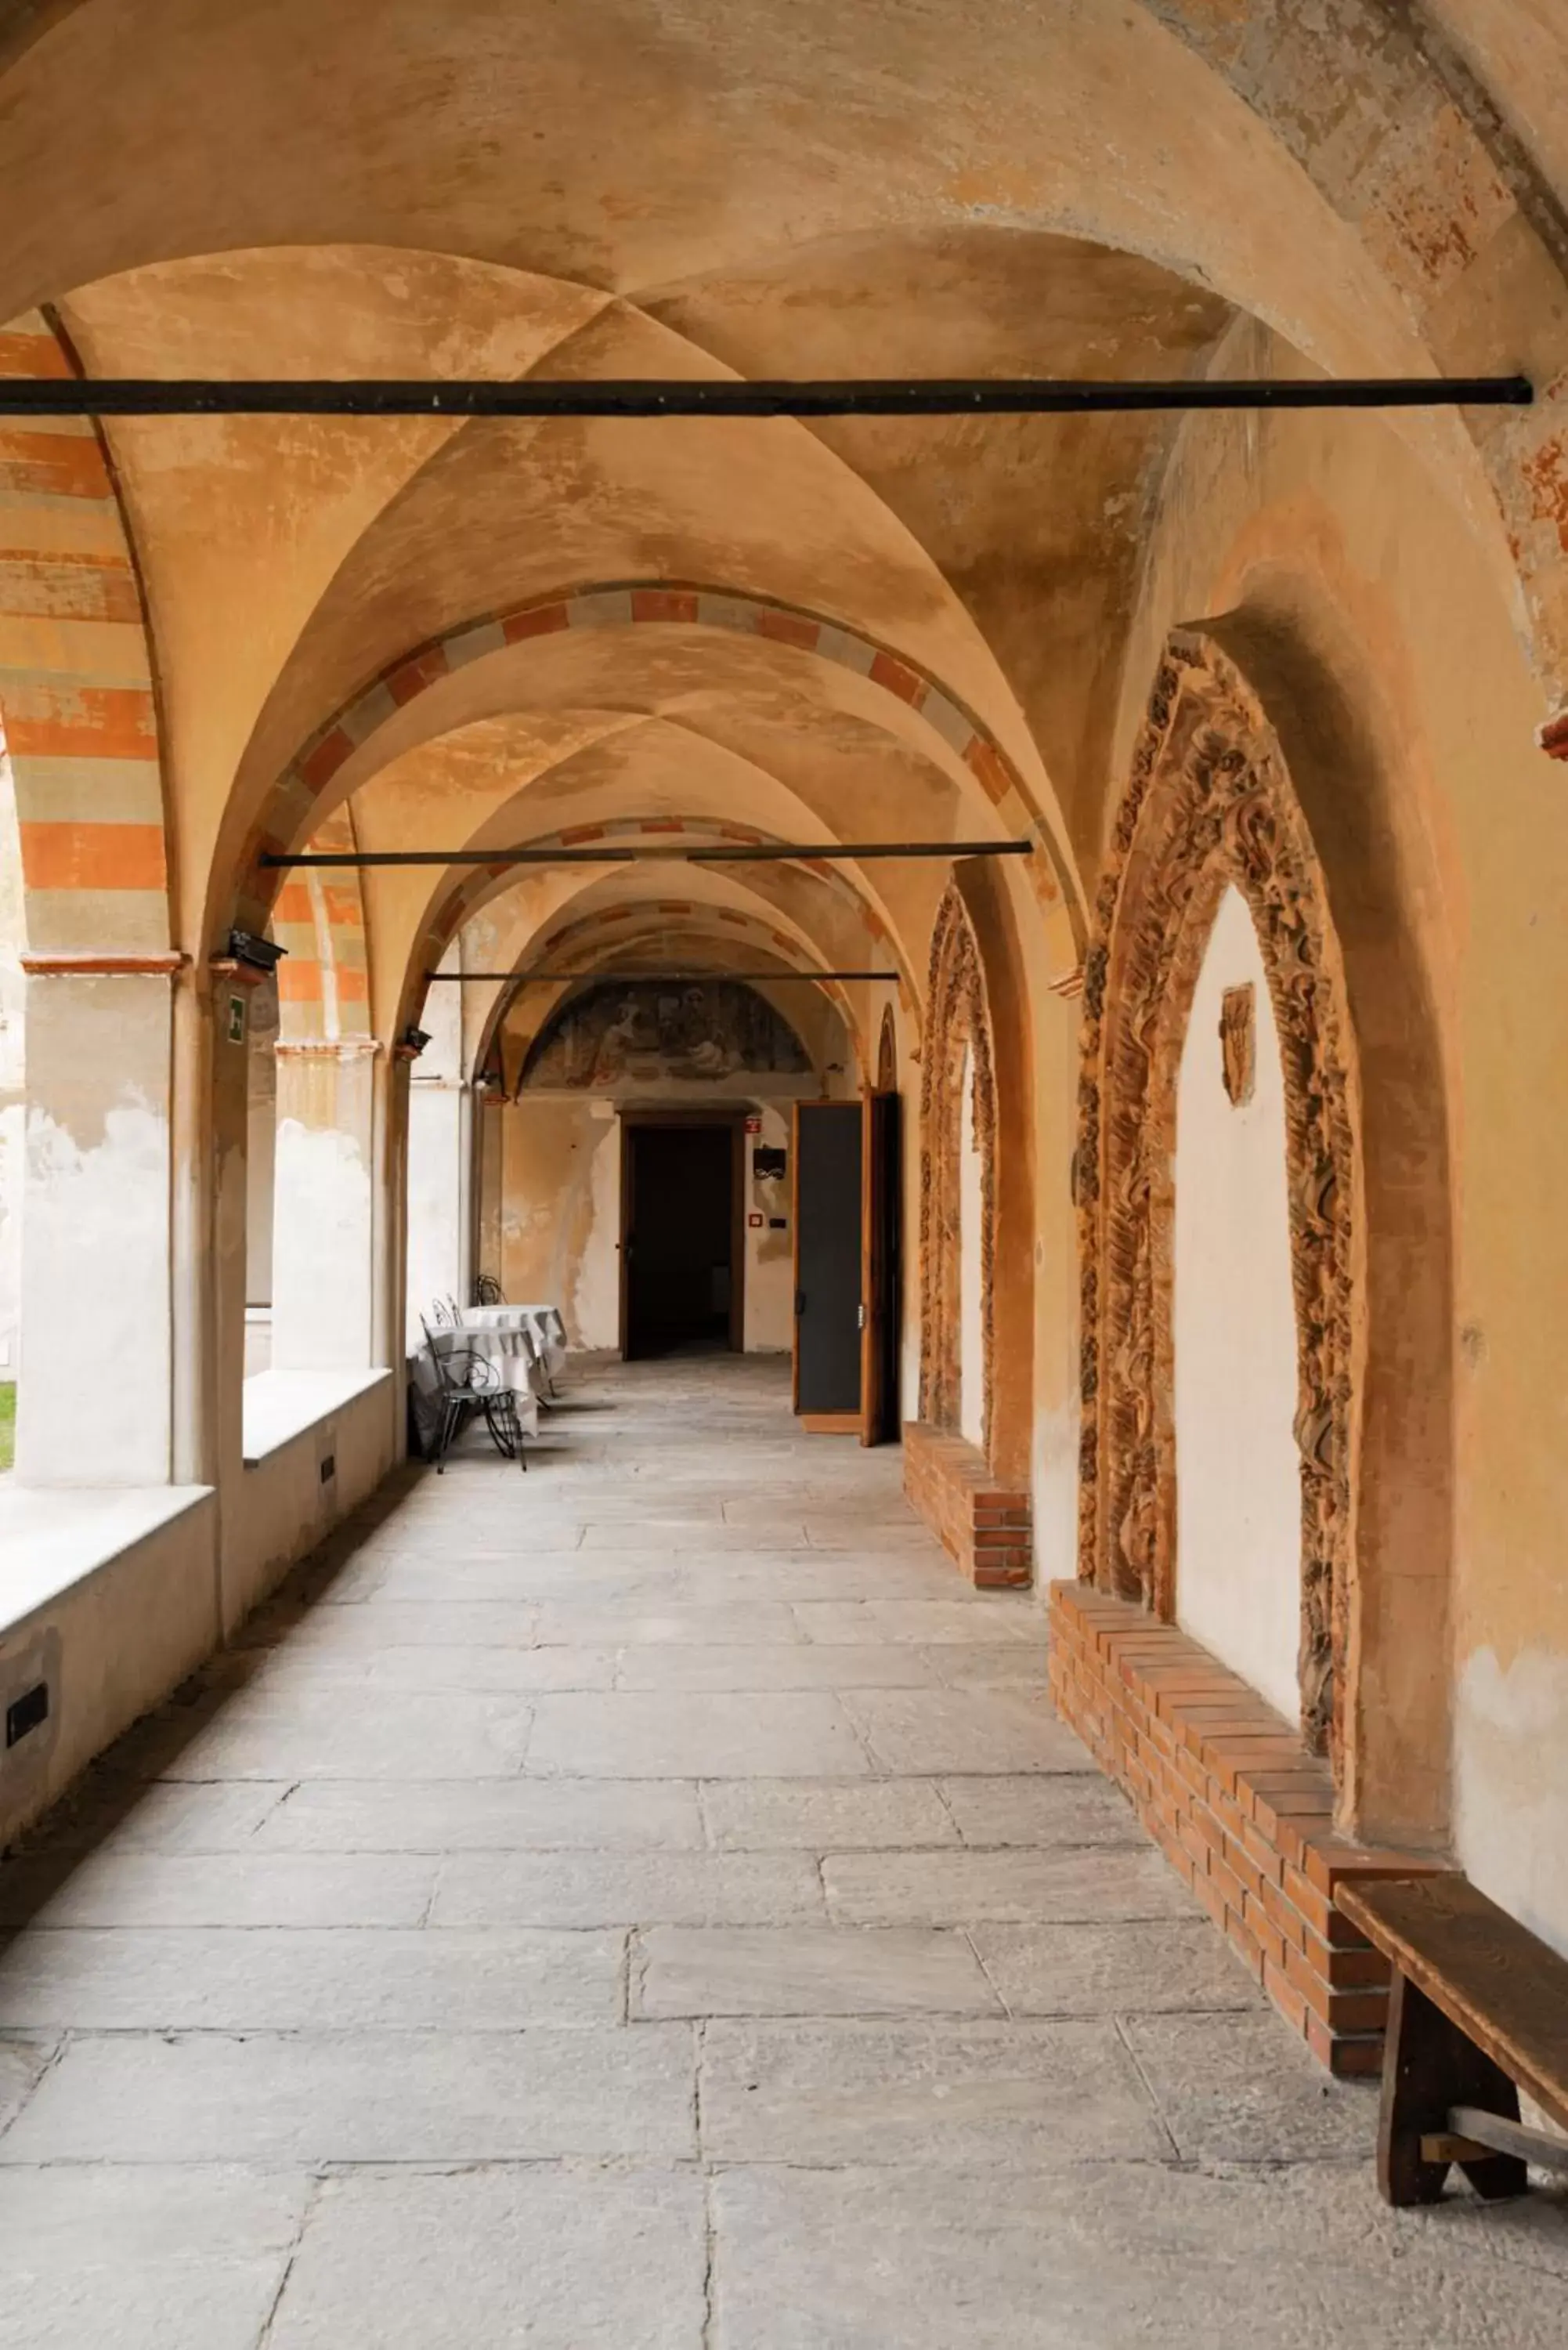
468	1383
487	1291
442	1312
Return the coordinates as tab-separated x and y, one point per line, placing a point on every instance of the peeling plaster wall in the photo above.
323	1270
561	1214
96	1272
560	1211
1238	1484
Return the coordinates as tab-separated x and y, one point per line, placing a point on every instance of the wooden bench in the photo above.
1478	2011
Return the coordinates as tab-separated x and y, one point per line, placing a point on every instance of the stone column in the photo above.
323	1232
490	1167
440	1165
212	1042
95	1373
440	1194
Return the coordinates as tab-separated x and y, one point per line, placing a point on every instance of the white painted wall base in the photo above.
114	1603
114	1598
296	1424
972	1270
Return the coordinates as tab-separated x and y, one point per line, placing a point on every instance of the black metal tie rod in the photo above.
739	852
678	978
25	395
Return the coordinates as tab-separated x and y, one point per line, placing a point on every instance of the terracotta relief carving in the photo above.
1238	1042
887	1055
1208	805
957	1021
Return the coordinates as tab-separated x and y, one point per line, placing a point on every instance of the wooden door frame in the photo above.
818	1423
880	1268
633	1115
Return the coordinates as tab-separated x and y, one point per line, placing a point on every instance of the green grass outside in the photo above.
7	1422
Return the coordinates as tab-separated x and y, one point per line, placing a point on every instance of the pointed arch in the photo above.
1211	804
958	1026
78	712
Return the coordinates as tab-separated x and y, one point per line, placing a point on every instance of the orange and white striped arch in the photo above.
318	918
79	717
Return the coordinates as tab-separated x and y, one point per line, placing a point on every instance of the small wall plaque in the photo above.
236	1019
1239	1042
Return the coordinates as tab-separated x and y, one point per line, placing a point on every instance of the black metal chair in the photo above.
468	1384
487	1291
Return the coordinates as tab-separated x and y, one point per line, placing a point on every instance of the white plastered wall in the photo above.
1238	1576
972	1276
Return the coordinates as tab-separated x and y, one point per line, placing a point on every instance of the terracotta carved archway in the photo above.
958	1021
1210	805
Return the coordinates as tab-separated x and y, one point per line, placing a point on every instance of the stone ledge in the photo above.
278	1407
983	1527
54	1538
1241	1810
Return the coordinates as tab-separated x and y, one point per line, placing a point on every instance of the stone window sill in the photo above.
279	1407
52	1537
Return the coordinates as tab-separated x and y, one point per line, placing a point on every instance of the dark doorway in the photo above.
680	1279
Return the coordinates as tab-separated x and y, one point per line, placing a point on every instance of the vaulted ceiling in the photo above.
707	188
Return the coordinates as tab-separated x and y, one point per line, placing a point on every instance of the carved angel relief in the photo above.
1238	1042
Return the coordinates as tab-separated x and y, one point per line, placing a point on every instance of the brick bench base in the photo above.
985	1530
1240	1810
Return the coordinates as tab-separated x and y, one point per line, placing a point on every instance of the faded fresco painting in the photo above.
620	1033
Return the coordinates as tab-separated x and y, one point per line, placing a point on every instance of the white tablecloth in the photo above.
543	1322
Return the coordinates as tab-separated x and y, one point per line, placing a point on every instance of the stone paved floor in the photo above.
652	1905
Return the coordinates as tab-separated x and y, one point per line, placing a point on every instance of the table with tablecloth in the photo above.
543	1323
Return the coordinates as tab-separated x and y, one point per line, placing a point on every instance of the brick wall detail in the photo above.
983	1528
1241	1810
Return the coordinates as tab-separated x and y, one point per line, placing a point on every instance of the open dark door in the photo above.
828	1210
881	1199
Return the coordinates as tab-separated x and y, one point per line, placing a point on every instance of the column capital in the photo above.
228	971
326	1048
101	962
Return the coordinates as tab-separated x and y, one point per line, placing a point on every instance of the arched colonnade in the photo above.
1263	694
